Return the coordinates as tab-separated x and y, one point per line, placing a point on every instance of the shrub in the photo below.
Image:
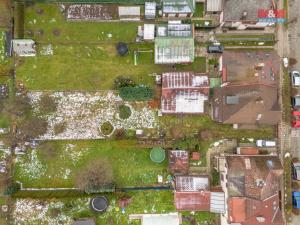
47	104
124	112
121	81
12	189
139	93
96	174
119	134
32	128
107	128
59	128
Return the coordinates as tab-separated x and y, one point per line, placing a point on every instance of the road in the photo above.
294	52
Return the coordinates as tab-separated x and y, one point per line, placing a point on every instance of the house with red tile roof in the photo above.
249	93
184	93
251	184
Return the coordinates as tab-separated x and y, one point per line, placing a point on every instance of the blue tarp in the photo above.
296	199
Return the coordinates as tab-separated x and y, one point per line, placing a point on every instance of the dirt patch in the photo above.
39	11
92	12
40	32
29	33
56	32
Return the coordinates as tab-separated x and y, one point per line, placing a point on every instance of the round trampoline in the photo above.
157	155
99	204
122	48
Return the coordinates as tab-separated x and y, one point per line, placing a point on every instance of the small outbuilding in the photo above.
150	10
23	47
178	161
84	221
99	204
129	13
149	31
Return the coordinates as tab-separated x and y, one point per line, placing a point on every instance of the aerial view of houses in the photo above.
149	112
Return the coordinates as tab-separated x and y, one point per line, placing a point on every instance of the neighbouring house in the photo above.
243	14
178	8
129	13
174	43
150	10
214	6
23	47
251	184
84	221
157	219
184	92
253	104
249	91
178	161
193	193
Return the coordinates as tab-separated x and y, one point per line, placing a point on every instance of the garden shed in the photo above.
149	31
23	47
129	13
158	219
150	10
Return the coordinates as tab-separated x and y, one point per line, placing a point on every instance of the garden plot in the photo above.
2	47
91	12
82	114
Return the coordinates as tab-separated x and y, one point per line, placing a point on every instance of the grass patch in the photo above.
199	10
19	19
190	125
288	206
131	164
286	98
198	66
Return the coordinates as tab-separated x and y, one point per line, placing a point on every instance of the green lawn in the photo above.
141	202
199	10
131	164
84	53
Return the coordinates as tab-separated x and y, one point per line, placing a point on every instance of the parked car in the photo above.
265	143
295	77
296	170
295	101
295	119
285	62
215	49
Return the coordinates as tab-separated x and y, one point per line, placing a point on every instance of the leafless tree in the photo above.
96	174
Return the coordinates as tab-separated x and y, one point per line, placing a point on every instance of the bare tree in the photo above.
32	128
47	104
96	174
17	107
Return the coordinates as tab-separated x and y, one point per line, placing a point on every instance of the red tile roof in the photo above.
237	209
194	201
248	151
196	156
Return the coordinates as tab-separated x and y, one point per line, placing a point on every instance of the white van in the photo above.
265	143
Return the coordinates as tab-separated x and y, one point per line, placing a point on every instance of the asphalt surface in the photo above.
294	43
294	52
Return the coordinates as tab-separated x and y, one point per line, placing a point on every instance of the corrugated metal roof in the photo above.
178	6
217	202
213	5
